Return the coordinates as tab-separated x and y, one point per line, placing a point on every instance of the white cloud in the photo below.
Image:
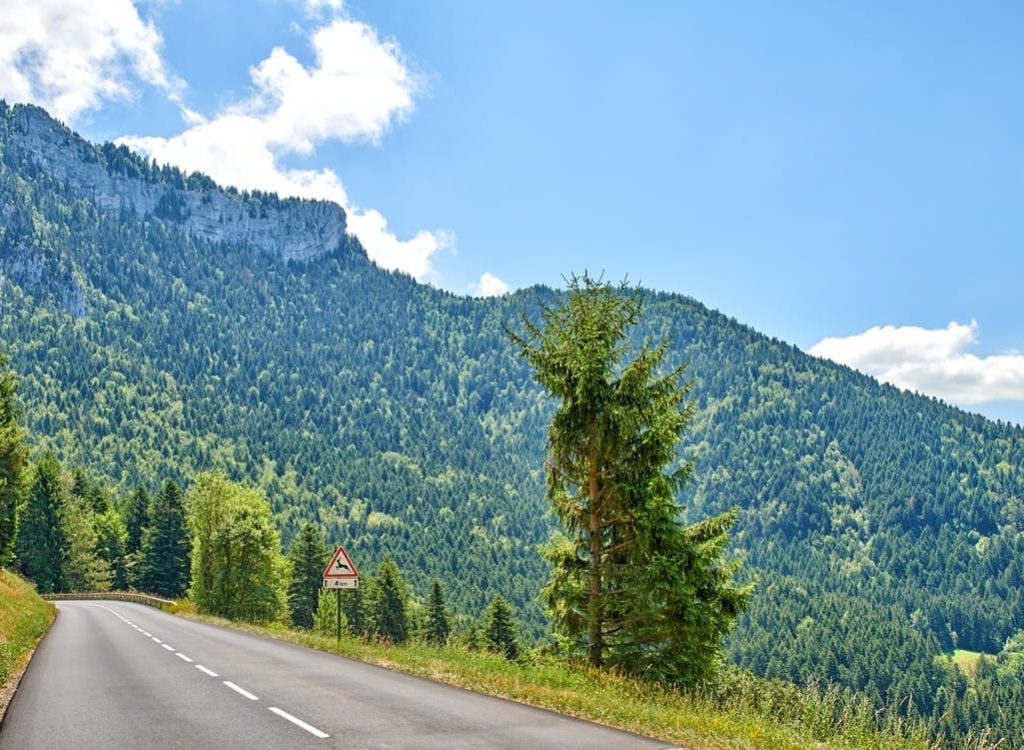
489	286
932	361
356	89
70	56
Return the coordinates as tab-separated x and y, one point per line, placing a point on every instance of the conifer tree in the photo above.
388	612
42	545
353	607
308	557
135	519
12	461
438	625
500	629
630	585
165	545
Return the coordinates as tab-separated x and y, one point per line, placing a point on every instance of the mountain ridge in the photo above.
887	528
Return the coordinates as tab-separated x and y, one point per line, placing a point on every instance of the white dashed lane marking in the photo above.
240	691
300	723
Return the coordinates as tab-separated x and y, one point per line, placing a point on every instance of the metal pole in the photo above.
337	599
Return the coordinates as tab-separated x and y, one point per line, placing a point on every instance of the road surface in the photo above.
117	675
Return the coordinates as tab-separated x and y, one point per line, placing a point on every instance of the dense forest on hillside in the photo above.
886	529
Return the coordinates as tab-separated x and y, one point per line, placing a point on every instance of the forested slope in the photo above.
152	341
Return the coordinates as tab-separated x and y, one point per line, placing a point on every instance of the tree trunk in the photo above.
595	648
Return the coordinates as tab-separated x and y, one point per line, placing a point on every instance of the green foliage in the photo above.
308	556
135	511
111	537
237	567
630	584
387	604
165	548
354	609
886	528
84	569
13	455
500	629
438	626
42	543
325	617
24	619
249	574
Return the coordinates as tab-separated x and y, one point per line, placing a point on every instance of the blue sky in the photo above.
847	179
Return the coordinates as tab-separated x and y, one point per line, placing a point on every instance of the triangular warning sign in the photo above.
341	566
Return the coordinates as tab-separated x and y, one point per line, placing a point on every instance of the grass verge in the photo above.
24	619
742	713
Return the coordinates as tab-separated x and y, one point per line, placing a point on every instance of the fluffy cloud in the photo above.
356	89
489	286
932	361
72	55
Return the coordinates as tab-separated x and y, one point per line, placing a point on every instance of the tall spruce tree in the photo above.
388	615
13	455
438	623
135	511
308	556
630	585
500	629
41	546
165	545
353	606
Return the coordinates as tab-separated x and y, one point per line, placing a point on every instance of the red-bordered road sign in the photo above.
341	573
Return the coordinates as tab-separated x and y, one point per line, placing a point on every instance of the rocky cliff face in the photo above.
290	229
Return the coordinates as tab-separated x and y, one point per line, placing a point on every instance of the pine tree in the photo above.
165	545
438	625
13	455
630	584
42	545
135	518
500	629
388	612
353	607
308	557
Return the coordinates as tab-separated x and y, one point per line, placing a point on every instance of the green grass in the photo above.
968	661
24	618
741	712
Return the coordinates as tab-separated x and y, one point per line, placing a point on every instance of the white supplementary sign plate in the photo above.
341	583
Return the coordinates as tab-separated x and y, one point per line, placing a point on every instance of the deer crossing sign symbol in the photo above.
341	572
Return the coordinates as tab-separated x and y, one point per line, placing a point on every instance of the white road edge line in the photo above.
300	723
169	648
204	670
183	657
240	691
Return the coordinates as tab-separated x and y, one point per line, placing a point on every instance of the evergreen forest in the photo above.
884	530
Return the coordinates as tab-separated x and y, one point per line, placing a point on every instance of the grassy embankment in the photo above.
741	712
24	618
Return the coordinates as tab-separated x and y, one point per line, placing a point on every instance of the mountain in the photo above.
161	325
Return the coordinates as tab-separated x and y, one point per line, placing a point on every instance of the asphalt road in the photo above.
116	675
